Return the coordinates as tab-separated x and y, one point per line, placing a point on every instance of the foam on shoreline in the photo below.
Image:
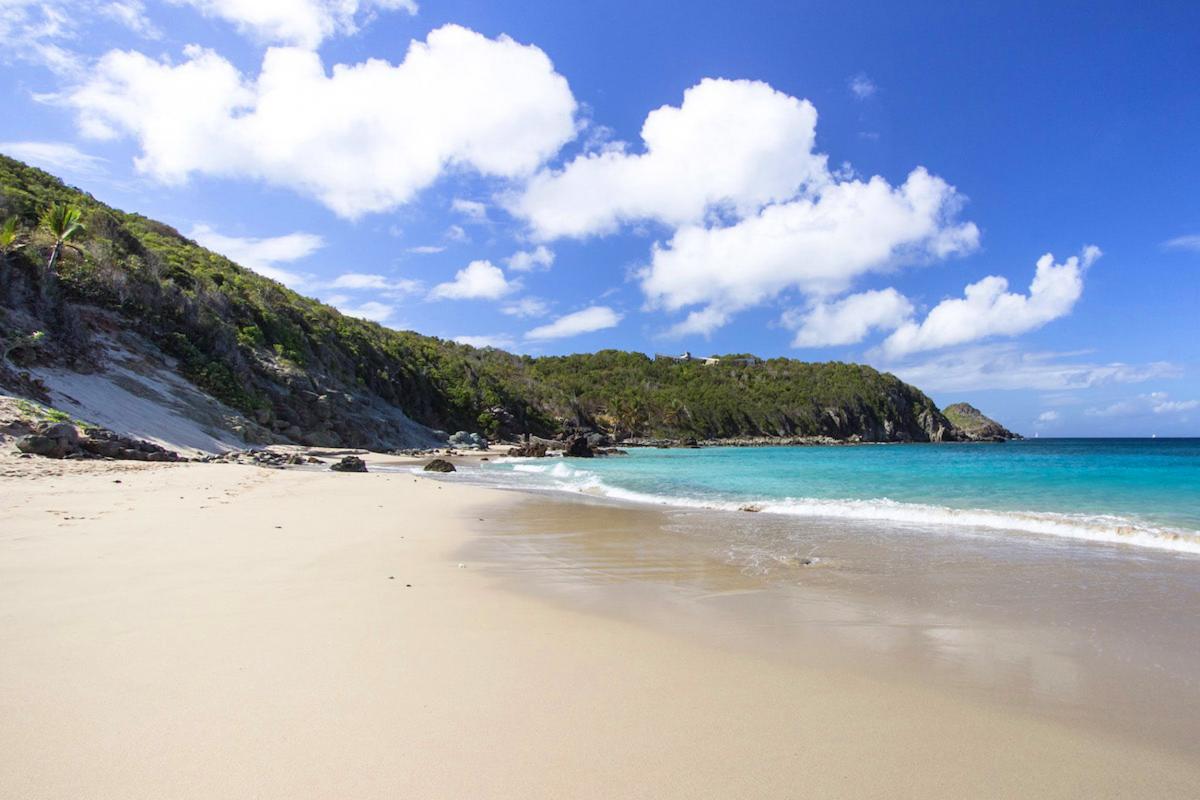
1101	528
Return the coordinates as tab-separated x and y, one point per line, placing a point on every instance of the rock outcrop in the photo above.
531	450
971	424
468	441
63	440
440	465
261	458
349	464
578	447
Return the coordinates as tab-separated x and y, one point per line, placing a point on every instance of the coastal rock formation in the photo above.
349	464
262	458
531	450
972	425
468	441
440	465
578	447
63	440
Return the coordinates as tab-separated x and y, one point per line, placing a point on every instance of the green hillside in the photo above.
298	364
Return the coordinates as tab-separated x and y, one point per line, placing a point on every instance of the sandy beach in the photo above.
213	630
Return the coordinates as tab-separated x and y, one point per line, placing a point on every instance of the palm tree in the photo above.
8	244
675	413
629	415
8	237
62	222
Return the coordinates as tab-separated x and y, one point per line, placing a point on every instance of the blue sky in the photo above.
875	182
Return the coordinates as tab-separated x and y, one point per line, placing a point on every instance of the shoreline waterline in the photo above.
1140	493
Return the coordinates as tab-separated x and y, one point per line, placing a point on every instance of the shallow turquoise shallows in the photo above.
1137	491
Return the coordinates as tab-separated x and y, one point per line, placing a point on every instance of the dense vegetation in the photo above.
299	365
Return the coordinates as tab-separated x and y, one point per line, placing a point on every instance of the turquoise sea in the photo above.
1142	492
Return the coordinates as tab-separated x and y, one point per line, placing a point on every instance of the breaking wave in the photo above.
1103	528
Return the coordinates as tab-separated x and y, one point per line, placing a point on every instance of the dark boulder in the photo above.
468	441
102	447
440	465
578	447
534	450
51	439
40	445
349	464
598	440
63	431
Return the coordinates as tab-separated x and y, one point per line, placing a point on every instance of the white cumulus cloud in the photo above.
263	255
471	209
591	319
526	307
541	257
371	310
850	319
818	245
988	309
305	23
753	208
361	138
479	280
730	143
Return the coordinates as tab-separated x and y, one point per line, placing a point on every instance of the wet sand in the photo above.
1080	633
225	631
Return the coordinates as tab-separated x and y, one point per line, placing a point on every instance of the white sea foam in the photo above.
1106	529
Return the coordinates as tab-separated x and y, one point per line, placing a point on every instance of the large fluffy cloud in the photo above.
755	210
305	23
818	245
731	143
479	280
366	137
850	319
988	309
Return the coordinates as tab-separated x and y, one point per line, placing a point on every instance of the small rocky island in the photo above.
975	426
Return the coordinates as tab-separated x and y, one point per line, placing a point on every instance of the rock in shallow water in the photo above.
579	448
440	465
349	464
535	450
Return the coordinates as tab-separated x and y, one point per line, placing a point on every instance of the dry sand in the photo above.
222	631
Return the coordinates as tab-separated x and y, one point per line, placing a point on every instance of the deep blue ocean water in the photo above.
1137	491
